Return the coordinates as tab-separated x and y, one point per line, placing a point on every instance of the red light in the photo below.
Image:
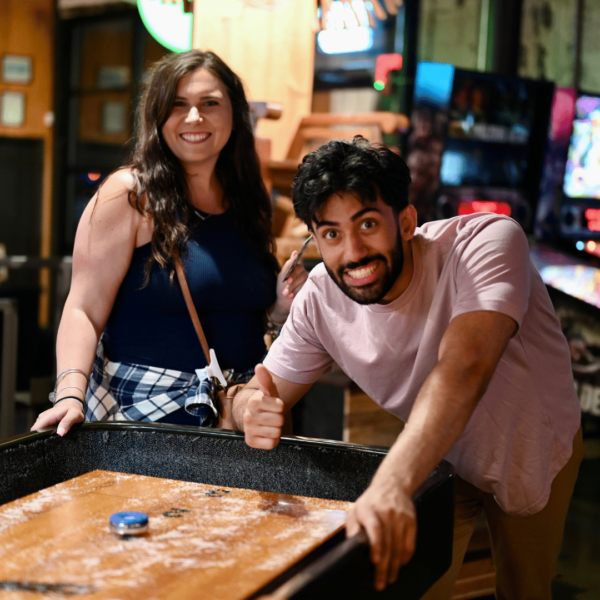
386	63
94	176
481	206
590	246
593	217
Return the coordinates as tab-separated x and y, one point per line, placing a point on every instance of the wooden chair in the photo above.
319	128
316	129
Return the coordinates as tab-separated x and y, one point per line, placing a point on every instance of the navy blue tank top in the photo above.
230	287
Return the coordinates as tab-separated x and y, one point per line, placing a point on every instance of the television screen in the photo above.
582	174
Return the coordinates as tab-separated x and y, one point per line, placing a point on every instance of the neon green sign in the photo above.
167	23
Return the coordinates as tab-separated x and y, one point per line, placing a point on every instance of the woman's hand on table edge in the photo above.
65	413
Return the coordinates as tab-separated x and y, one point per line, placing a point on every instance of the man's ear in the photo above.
407	221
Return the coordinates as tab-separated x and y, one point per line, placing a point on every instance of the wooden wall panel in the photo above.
548	41
27	28
590	47
449	32
107	44
271	49
367	423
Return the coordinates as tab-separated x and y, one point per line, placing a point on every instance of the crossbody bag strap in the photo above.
190	306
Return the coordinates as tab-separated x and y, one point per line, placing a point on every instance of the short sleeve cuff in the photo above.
500	306
291	375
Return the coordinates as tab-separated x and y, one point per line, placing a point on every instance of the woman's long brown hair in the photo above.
162	189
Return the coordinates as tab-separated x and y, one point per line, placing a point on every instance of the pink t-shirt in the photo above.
521	432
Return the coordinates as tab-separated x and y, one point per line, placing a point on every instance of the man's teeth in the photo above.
361	272
194	137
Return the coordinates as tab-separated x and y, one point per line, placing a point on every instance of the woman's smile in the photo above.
194	138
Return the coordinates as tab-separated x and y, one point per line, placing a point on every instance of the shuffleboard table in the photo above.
225	521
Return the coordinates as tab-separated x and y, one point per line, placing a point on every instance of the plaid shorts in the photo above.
130	392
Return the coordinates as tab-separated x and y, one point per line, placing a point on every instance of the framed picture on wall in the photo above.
113	76
17	69
12	109
114	117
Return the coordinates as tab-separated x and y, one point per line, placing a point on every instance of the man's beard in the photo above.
375	292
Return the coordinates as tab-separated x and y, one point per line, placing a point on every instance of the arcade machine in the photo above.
579	223
475	143
568	232
568	217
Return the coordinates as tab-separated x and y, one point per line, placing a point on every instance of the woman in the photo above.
193	189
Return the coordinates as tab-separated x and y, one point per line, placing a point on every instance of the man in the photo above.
450	328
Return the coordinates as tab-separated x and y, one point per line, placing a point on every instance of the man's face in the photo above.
362	248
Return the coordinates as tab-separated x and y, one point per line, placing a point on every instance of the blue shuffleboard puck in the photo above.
129	523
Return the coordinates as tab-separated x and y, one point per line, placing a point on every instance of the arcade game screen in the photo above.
582	175
489	128
579	222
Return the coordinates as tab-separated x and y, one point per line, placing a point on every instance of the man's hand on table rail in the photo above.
388	516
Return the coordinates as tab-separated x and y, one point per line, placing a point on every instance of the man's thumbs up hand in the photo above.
265	381
263	417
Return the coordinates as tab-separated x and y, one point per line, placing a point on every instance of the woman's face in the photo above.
201	121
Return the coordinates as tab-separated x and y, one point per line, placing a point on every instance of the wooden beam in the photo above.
272	50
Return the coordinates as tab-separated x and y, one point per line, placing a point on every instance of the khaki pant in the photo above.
525	549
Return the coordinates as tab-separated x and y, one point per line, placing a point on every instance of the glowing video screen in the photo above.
582	174
564	273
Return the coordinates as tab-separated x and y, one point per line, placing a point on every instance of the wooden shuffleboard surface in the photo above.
203	541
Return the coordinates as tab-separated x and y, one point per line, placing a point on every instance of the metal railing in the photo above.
62	267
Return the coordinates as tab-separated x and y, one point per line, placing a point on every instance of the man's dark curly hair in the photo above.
359	167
